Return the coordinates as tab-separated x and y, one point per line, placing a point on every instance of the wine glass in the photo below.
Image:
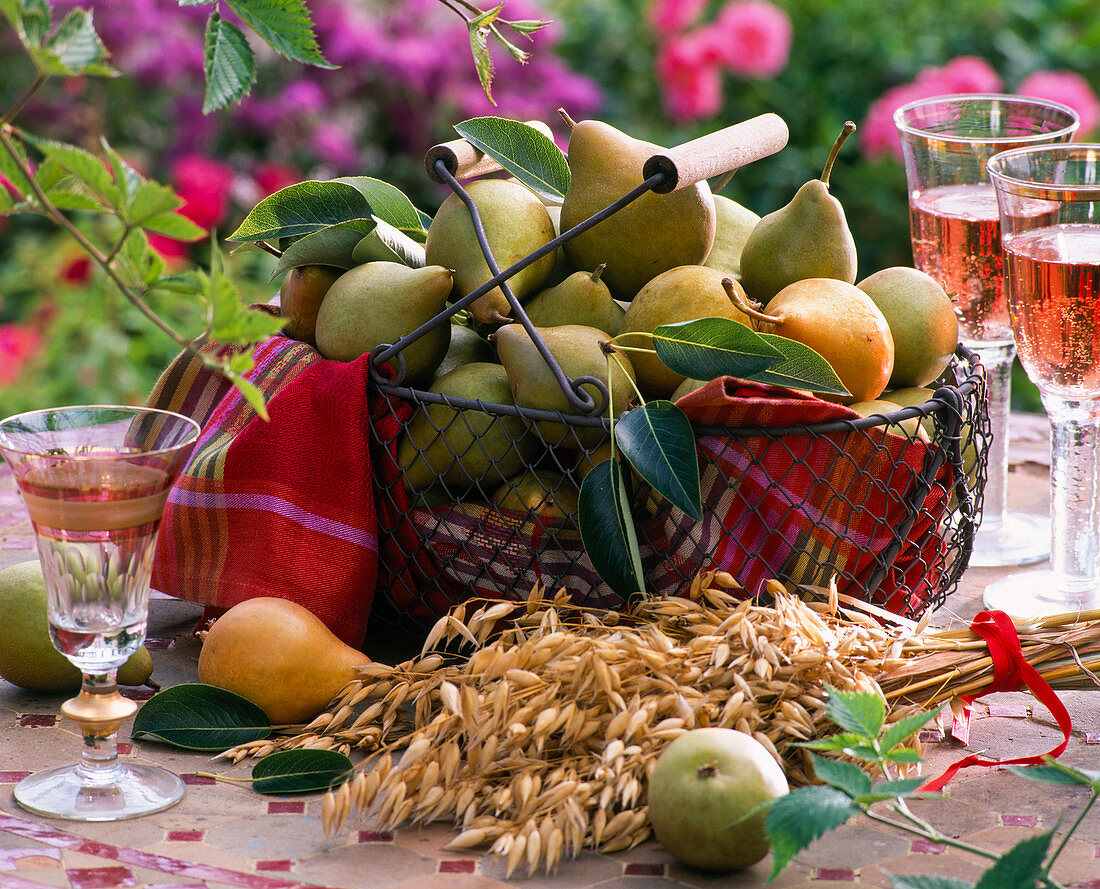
95	480
947	142
1049	199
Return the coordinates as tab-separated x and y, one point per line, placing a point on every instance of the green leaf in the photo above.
300	771
14	171
303	208
229	318
200	717
30	19
389	244
840	741
387	203
141	261
659	442
1058	773
522	150
797	819
7	203
862	712
903	755
801	368
151	199
707	348
83	166
126	177
480	28
897	787
67	199
607	529
251	392
173	225
330	246
74	49
927	881
285	25
229	64
842	775
1020	866
905	728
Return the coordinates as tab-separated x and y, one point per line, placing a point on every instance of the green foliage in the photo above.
195	716
659	442
523	151
300	771
607	528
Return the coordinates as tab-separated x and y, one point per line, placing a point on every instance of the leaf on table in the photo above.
300	771
659	442
200	717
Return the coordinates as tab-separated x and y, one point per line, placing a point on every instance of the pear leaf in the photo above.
200	717
522	150
330	246
658	440
707	348
607	529
802	368
388	204
389	244
300	771
303	208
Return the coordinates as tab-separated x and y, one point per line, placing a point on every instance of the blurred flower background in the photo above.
662	70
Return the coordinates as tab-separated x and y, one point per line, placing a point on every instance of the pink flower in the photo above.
204	186
18	342
963	74
270	177
752	38
334	146
1066	87
689	76
670	16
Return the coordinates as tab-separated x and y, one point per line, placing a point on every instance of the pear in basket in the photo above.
461	447
655	233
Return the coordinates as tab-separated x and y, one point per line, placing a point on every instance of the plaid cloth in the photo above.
310	505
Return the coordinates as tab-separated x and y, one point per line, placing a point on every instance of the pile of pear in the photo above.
663	259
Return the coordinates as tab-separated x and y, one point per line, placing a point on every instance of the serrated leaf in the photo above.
707	348
905	728
229	64
200	717
1058	773
845	776
1020	866
68	199
303	208
903	787
330	246
285	25
174	225
659	442
141	261
797	819
251	392
74	49
840	741
861	712
522	150
300	771
903	755
126	177
480	27
388	204
388	244
801	368
82	165
229	319
13	170
151	199
607	529
30	19
927	881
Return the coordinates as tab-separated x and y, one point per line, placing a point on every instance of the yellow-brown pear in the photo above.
278	655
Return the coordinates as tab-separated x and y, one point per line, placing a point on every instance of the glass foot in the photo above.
66	792
1021	539
1035	594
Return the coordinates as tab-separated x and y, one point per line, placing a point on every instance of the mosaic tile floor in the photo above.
223	834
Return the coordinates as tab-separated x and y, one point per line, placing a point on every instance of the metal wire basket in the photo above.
885	504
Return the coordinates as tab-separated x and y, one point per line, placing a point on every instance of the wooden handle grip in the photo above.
718	153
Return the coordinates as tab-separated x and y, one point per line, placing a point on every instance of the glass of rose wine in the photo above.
946	143
1049	198
95	480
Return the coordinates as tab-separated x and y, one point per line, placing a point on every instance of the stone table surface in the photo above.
226	835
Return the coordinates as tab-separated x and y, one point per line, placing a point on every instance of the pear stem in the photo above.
568	120
595	276
743	304
848	129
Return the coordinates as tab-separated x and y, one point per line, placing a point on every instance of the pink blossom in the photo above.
671	16
963	74
302	96
270	177
689	75
333	145
205	188
1066	87
752	38
18	342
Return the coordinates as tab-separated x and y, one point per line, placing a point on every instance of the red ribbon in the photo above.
1011	671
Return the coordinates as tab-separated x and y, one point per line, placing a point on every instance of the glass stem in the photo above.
99	754
1075	533
997	360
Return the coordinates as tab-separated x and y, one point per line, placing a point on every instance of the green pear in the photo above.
27	654
922	321
516	223
461	447
681	294
300	297
655	233
579	351
808	238
911	396
686	388
466	347
733	225
379	302
582	298
548	494
908	428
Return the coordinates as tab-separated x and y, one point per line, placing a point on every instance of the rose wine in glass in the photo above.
95	480
1052	288
955	230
